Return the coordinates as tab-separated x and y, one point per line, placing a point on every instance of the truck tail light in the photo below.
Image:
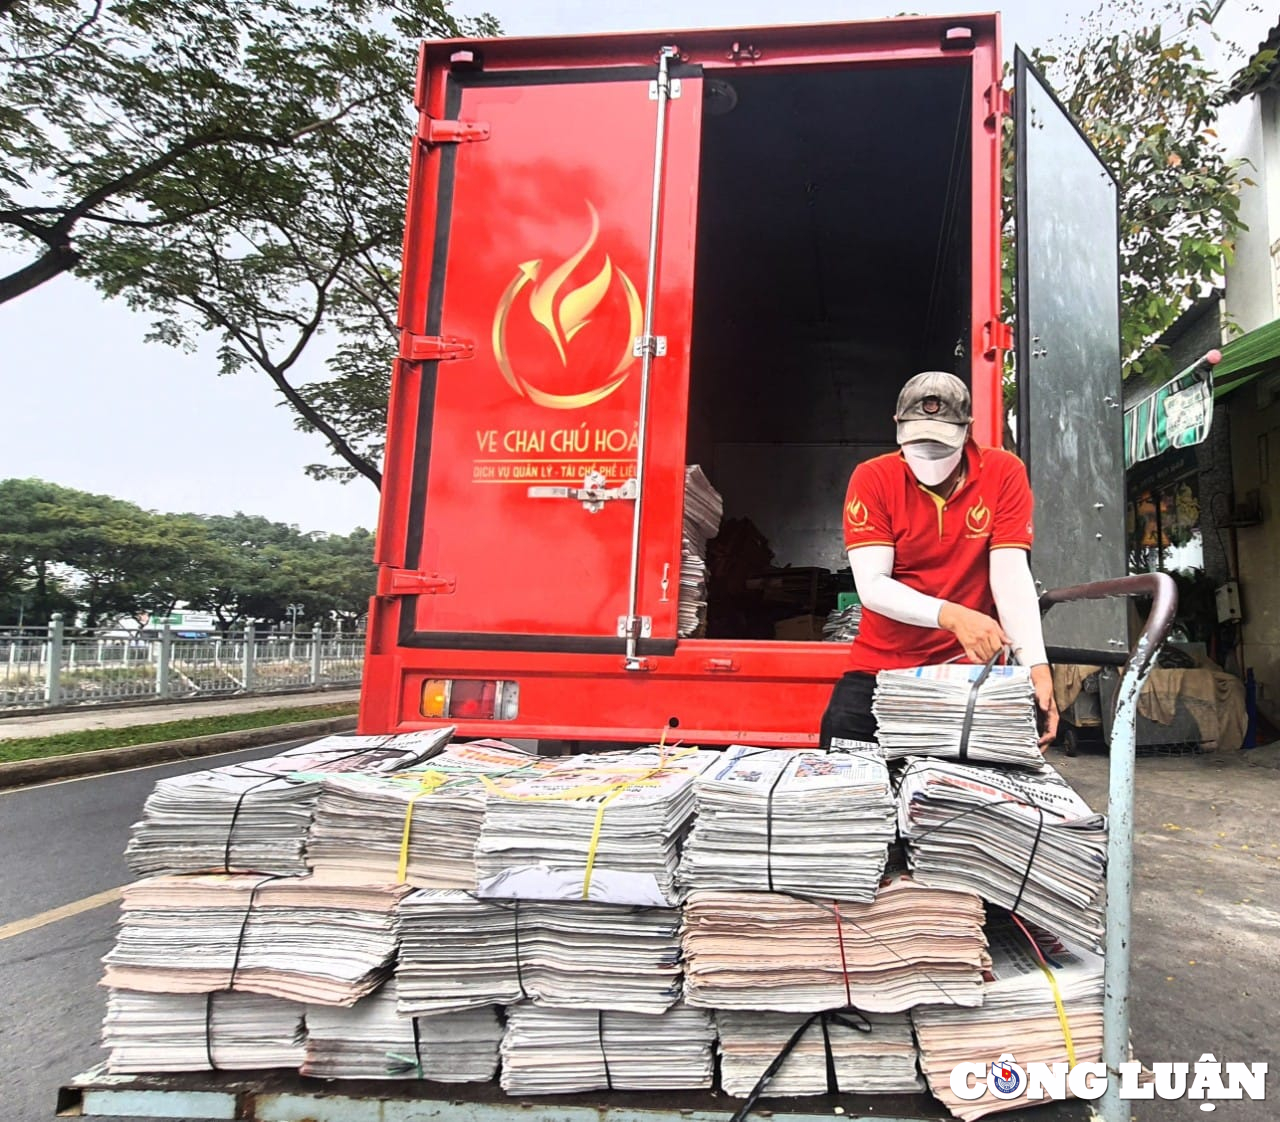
471	699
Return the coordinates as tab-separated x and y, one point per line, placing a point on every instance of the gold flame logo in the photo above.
562	315
979	518
857	514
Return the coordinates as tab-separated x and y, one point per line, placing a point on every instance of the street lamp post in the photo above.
295	610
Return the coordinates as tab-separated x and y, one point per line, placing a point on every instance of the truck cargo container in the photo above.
630	253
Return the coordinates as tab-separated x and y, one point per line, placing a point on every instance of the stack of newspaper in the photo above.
921	712
254	816
703	509
297	938
1025	841
1018	1010
879	1061
558	1051
749	950
372	1041
604	827
424	821
458	952
784	821
200	1031
842	624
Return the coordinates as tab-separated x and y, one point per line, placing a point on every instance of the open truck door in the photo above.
1070	417
544	308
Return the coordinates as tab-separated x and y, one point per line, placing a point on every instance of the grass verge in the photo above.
91	740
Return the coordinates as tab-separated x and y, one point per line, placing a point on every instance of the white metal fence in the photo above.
46	667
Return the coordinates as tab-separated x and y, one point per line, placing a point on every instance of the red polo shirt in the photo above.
940	548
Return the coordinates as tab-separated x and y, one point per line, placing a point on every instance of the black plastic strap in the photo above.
244	926
972	704
608	1075
826	1019
417	1046
235	816
768	825
208	1030
519	968
1026	873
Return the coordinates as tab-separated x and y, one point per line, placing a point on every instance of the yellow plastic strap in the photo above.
595	841
430	780
1062	1014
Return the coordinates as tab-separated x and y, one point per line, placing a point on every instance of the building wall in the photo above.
1255	435
1251	278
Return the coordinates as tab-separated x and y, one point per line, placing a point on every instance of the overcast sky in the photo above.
86	403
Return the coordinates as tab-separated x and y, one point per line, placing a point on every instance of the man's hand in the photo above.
1042	682
979	635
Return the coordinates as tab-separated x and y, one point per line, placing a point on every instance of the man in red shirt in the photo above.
938	536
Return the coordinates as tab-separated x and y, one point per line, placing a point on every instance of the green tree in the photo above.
1148	101
232	166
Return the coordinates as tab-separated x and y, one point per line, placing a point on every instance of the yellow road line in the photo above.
22	926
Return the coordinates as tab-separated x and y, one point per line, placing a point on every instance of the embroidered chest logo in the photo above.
978	519
857	514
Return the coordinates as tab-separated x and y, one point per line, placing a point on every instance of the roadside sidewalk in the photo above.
78	720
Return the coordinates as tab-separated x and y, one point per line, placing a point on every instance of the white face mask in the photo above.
931	461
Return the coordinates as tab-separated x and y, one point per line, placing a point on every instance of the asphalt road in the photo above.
60	844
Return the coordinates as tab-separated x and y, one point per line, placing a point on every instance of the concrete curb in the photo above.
23	773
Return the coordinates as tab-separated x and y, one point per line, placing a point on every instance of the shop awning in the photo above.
1177	415
1245	358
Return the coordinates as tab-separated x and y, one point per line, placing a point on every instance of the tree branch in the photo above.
276	372
58	259
84	26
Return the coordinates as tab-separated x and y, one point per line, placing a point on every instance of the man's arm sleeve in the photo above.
1017	603
872	567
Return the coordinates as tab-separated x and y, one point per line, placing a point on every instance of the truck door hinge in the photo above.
999	103
674	89
406	582
635	627
593	493
655	345
996	336
455	132
437	348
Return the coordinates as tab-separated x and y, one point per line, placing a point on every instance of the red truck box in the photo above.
626	254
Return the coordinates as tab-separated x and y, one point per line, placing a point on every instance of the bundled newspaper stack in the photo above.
604	827
559	1051
254	816
879	1060
458	952
297	938
703	509
371	1040
764	951
200	1032
1020	1011
921	712
1025	841
775	820
418	826
842	624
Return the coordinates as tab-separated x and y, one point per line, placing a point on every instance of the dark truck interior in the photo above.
833	262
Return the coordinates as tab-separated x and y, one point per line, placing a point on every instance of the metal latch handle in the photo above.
593	493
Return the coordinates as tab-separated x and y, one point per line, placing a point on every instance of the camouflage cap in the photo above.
934	406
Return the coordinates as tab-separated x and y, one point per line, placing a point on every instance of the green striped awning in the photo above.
1177	415
1245	358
